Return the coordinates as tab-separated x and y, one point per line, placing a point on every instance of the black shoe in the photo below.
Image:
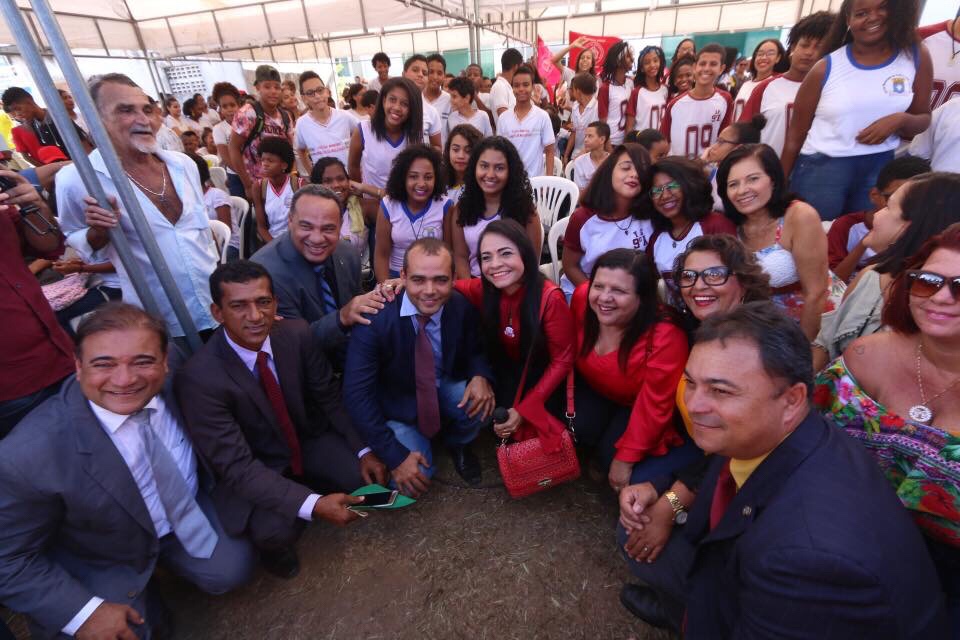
644	603
283	564
466	463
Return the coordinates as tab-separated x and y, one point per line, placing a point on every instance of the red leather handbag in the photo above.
525	467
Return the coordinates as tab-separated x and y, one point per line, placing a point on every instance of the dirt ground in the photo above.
461	563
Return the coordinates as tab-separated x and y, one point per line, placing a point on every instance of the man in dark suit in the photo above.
794	533
316	277
99	484
264	411
418	366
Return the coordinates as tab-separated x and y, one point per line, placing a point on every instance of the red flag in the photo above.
545	67
596	44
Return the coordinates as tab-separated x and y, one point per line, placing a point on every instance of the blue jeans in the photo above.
458	428
658	466
835	186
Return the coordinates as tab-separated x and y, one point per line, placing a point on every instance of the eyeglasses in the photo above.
925	284
712	276
313	92
767	54
656	192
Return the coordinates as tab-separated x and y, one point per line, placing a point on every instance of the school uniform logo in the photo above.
896	85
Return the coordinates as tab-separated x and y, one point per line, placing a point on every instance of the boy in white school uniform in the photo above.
693	120
583	90
529	127
595	140
434	95
415	70
322	131
462	94
501	92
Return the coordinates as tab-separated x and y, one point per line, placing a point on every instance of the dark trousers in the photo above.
667	575
329	466
947	561
95	297
15	410
600	423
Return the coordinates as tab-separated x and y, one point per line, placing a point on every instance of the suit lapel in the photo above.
302	273
345	279
241	376
102	461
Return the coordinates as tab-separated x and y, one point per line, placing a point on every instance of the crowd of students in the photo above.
802	205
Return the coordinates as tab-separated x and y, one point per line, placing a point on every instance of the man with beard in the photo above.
167	186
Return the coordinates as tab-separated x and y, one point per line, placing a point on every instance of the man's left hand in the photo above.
372	469
22	194
478	398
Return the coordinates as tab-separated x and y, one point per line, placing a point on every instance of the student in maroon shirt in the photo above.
35	353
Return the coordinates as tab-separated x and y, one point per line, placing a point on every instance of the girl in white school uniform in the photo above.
274	192
413	207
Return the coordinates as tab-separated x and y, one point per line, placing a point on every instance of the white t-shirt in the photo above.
168	140
471	235
617	110
691	124
746	90
946	62
330	139
774	99
529	135
479	120
580	122
432	123
378	156
409	226
501	97
583	170
442	105
214	198
176	123
210	118
648	107
593	236
940	143
374	84
221	135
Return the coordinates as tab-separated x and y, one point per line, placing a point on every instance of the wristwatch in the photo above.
679	511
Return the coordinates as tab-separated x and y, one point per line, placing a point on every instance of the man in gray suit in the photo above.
99	483
315	276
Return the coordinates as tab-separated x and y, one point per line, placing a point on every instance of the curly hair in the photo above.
612	62
397	182
222	89
685	60
516	199
469	133
737	258
697	191
901	23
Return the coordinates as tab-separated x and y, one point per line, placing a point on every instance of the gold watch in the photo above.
679	511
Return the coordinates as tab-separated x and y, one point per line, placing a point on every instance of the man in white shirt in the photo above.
99	484
167	186
434	95
501	93
415	70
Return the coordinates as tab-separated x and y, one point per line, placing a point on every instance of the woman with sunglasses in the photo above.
682	212
921	208
897	393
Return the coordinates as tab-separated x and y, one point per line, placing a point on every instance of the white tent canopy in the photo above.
307	30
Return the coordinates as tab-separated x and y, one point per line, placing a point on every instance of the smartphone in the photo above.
377	500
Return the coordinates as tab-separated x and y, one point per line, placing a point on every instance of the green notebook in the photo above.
399	503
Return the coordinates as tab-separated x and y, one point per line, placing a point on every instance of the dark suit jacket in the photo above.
379	382
295	285
814	545
73	524
234	428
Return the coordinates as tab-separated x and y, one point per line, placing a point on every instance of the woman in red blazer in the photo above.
520	311
630	357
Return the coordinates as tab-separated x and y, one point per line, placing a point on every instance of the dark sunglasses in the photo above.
712	276
925	284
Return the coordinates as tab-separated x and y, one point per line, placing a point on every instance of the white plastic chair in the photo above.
239	210
212	160
568	170
218	176
557	231
557	166
221	238
549	193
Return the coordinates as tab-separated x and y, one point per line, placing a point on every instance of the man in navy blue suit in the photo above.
794	533
418	369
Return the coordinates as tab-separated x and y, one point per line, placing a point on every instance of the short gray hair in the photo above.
313	190
95	83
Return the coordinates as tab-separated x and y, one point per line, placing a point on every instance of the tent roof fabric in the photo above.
286	30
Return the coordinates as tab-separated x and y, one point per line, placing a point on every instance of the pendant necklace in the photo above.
508	330
921	412
161	195
626	230
683	235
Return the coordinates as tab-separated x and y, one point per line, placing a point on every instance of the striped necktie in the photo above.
324	290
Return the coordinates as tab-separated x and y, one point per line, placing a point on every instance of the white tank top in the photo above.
472	236
855	96
277	206
777	262
378	156
409	226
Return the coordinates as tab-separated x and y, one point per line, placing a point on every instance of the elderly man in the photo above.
167	186
99	484
794	532
316	277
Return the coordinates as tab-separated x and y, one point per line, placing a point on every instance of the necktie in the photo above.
272	388
189	523
428	406
722	496
325	290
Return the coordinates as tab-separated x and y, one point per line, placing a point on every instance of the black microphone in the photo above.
500	415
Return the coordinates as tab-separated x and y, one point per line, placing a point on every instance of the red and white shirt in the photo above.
774	99
612	103
589	234
945	52
743	97
647	107
691	124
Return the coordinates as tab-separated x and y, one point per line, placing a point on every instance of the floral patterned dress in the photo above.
922	462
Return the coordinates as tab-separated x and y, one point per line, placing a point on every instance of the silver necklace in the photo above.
921	412
161	195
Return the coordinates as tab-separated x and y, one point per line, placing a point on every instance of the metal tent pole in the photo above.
71	72
41	75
